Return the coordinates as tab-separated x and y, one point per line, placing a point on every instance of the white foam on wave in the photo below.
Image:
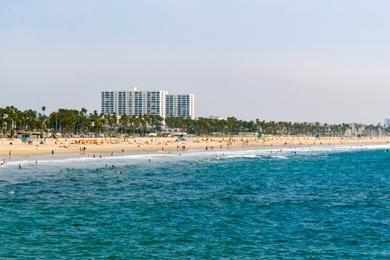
72	160
273	152
280	157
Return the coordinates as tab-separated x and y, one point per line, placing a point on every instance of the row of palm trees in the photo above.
235	126
72	121
68	121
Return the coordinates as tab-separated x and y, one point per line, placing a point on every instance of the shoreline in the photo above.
108	147
125	158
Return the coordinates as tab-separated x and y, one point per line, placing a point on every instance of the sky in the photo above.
290	60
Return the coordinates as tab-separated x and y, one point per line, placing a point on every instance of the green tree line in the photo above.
72	121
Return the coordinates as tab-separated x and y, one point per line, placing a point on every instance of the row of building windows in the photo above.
152	103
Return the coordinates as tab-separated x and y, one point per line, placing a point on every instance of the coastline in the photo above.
97	147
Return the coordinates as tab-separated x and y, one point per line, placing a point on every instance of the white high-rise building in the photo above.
180	106
134	102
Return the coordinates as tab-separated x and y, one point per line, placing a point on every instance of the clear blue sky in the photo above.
298	60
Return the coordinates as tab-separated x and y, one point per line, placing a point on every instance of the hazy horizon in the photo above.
278	60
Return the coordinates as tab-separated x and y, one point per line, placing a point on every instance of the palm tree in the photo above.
124	122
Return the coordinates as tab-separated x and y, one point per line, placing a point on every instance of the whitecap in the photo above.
274	152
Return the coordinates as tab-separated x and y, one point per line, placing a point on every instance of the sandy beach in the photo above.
10	148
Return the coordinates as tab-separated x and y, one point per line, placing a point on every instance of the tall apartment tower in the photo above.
134	102
180	106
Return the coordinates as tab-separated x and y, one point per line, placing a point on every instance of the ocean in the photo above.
331	202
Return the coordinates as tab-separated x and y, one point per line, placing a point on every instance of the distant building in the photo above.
134	102
355	130
387	122
216	117
109	102
180	106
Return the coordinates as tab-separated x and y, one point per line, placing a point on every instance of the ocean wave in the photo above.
274	152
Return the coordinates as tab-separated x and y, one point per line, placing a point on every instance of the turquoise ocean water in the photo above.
317	203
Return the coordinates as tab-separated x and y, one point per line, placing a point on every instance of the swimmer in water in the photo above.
20	166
